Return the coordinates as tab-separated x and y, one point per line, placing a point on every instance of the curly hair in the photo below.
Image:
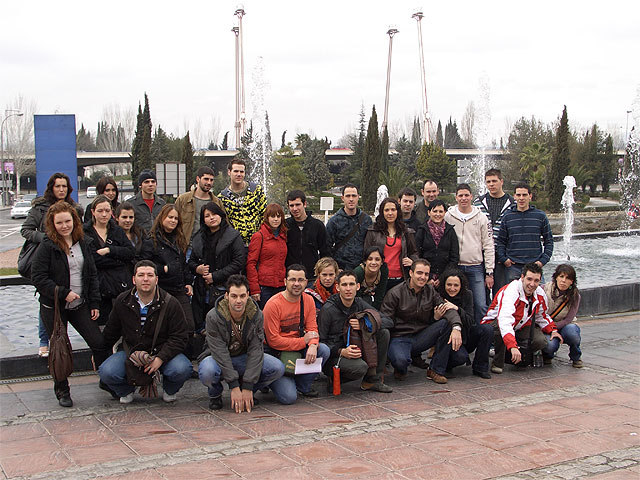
380	224
452	272
157	230
77	233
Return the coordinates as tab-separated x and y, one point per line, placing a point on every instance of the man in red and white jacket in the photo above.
514	310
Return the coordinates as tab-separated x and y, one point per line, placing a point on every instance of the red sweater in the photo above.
282	322
265	263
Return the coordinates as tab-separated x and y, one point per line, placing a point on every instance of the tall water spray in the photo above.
482	121
381	194
630	178
567	206
260	148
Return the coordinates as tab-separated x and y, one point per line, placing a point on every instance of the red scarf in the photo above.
323	292
437	231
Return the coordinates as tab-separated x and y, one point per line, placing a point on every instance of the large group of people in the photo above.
266	303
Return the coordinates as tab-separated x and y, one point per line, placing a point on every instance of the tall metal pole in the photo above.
426	124
243	116
237	125
391	32
5	193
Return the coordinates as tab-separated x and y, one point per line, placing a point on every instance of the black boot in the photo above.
63	394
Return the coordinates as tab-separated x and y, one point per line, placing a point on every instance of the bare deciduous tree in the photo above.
468	123
18	137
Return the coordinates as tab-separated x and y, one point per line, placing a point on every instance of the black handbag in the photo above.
25	258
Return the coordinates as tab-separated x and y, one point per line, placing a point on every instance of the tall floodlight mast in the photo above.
426	121
241	116
237	125
391	32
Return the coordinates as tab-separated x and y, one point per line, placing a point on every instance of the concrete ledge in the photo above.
9	280
33	365
610	299
586	235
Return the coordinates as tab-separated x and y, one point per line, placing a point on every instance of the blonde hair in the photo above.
325	262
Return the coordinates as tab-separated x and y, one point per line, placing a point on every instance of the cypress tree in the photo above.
187	159
371	163
559	163
384	159
439	136
607	167
136	145
146	162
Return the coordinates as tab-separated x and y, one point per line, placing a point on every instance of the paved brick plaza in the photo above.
551	423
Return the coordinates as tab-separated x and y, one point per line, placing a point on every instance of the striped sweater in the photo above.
520	234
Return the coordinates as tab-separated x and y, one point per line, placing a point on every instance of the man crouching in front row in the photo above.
235	351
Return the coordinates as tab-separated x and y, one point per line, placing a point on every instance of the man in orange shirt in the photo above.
290	326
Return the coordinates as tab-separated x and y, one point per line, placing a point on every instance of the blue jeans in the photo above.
42	333
174	373
402	349
266	293
476	278
571	336
479	339
286	388
210	372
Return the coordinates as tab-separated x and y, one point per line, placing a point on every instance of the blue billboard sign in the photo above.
55	138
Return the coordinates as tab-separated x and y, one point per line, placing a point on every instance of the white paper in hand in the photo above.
302	367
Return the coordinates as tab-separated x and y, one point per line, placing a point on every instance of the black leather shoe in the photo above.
215	403
485	375
106	388
65	400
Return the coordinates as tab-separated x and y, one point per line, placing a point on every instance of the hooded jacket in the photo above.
340	225
474	238
265	262
219	334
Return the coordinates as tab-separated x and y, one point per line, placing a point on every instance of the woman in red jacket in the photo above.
267	253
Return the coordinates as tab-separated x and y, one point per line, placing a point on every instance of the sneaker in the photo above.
436	377
43	352
578	364
215	403
168	398
485	375
126	399
375	387
312	393
495	369
106	388
399	375
65	400
419	362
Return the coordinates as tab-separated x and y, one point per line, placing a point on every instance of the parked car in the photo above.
91	192
20	209
29	197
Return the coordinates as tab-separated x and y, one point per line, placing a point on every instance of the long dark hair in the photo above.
569	271
157	230
380	225
48	193
138	233
452	272
102	185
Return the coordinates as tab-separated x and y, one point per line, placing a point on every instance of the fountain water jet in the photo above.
381	194
260	148
567	206
483	118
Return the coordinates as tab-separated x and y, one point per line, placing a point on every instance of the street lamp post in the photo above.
426	123
391	32
14	113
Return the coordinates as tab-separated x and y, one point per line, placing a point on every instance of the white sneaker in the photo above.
126	399
168	398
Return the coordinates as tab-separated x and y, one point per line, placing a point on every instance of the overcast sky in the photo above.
322	60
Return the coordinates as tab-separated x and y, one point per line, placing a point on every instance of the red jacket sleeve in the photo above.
252	262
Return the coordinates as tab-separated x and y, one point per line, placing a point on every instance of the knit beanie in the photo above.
146	175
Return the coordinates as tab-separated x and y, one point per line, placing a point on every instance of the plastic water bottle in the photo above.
537	359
